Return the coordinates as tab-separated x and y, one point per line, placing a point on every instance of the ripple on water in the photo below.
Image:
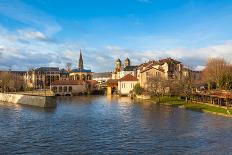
100	125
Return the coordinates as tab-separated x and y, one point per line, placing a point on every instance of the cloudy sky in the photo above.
36	33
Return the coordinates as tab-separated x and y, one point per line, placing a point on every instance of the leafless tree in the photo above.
5	79
68	67
215	69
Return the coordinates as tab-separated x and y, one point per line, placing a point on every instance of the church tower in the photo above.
127	62
118	64
80	65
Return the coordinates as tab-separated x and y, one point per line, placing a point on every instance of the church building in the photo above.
80	73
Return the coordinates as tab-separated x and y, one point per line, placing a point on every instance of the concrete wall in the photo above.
39	101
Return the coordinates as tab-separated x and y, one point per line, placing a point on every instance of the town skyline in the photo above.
34	34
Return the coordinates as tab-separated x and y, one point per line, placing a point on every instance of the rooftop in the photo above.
130	68
101	75
80	70
68	82
128	77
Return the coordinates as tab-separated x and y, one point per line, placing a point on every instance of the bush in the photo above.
138	90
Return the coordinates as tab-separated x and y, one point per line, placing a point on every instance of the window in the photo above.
54	89
70	88
65	88
60	89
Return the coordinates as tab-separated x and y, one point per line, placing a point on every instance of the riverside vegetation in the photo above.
190	105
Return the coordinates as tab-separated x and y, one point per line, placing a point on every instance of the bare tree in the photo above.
68	67
154	86
215	69
5	79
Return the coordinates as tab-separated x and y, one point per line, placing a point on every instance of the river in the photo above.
105	125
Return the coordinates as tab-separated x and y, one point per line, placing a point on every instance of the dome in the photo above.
118	60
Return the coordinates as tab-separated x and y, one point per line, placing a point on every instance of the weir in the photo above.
38	101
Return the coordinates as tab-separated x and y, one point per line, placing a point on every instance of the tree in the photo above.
68	67
138	90
5	78
215	69
225	82
154	86
187	85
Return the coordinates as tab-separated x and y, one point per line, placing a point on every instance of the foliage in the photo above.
225	82
138	90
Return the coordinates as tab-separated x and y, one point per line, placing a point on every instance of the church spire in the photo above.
80	65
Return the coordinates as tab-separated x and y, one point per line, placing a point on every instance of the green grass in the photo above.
201	107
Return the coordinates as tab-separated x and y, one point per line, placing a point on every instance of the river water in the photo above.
104	125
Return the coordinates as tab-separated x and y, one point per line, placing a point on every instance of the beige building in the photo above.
126	84
41	78
68	87
165	68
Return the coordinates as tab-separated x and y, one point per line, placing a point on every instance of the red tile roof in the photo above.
128	77
68	82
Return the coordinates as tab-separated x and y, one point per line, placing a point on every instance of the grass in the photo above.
201	107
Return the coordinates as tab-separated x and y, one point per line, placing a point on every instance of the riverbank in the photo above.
194	106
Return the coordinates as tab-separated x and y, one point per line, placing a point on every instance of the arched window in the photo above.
83	77
77	77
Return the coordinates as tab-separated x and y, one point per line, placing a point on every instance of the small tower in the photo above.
80	65
127	62
118	64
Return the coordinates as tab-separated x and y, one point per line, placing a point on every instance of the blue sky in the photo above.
37	33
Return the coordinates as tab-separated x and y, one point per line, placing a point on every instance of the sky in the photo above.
38	33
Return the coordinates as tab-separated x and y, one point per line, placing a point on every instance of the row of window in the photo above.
123	85
62	89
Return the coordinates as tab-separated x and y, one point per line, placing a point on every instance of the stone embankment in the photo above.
39	101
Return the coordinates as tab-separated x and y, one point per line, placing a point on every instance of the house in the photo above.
68	87
164	68
126	84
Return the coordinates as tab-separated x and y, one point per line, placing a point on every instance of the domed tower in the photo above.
118	64
127	62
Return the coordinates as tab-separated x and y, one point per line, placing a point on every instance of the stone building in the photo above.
68	87
164	68
80	73
41	78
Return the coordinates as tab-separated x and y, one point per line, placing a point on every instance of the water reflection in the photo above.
111	125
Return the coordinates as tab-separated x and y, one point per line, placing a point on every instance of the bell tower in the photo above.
81	63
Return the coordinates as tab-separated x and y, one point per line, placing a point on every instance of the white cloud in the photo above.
30	34
30	16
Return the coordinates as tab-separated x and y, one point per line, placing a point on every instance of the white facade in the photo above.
124	87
